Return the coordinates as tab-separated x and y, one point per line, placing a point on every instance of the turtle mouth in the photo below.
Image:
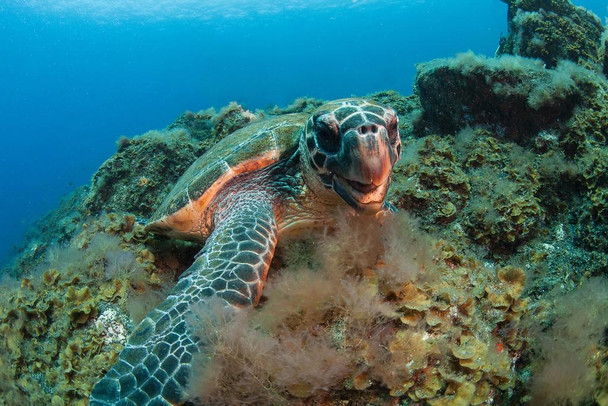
361	196
361	187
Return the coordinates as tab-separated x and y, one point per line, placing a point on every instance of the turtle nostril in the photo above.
369	129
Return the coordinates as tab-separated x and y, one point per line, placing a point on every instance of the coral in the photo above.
552	30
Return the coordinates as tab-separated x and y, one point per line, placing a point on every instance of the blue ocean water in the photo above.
77	74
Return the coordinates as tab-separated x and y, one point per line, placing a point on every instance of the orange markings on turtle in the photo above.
188	221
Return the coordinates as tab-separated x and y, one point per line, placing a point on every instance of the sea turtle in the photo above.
281	175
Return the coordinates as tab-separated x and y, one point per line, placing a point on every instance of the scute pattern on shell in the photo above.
257	145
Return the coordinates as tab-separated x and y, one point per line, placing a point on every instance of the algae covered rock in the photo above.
604	52
198	124
515	97
54	321
230	118
553	30
55	227
429	181
524	138
505	163
136	178
140	173
371	325
473	184
593	210
299	105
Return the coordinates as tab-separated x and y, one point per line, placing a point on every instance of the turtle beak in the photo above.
374	156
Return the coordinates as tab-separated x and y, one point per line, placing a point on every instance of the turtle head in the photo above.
350	148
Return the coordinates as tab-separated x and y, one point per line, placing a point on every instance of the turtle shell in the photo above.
256	146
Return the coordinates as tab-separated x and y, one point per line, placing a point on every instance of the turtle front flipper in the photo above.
154	366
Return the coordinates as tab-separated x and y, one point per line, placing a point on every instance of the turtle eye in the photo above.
392	127
328	136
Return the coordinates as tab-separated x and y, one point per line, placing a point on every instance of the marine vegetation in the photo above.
489	286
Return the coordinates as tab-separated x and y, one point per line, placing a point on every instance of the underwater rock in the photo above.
144	168
572	351
55	323
553	30
376	313
299	105
429	181
516	98
360	318
136	178
230	118
592	213
473	90
199	124
604	51
473	184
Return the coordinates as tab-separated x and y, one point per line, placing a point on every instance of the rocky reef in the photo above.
491	286
554	30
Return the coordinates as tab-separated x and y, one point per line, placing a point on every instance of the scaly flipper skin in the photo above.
154	366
